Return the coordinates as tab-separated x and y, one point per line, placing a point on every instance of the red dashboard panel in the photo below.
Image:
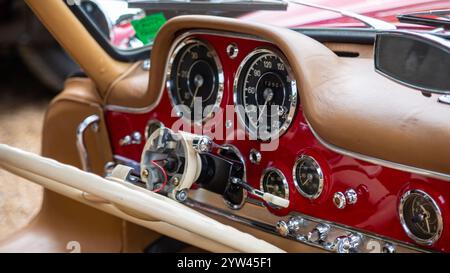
379	188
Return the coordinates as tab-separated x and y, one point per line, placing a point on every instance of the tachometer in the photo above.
265	94
195	80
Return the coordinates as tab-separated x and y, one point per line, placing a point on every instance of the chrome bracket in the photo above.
92	122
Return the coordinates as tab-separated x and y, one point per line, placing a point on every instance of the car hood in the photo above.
386	10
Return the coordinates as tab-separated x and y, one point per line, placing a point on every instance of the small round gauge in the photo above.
265	94
308	177
195	80
420	217
274	182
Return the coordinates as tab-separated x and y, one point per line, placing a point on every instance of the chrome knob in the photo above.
292	226
319	234
202	144
341	200
351	196
388	248
282	228
295	223
134	138
348	243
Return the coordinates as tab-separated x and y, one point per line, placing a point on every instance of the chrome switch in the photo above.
319	234
341	200
292	226
348	243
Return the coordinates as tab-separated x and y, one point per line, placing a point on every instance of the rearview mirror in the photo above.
417	60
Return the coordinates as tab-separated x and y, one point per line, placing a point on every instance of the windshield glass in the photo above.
133	24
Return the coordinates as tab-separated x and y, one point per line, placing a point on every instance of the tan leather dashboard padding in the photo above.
345	101
78	101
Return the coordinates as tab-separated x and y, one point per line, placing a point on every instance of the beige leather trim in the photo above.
77	41
78	101
63	225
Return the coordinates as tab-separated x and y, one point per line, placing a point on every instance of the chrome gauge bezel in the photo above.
291	79
437	210
316	164
283	179
220	78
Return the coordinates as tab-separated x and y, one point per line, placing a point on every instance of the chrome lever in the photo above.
268	197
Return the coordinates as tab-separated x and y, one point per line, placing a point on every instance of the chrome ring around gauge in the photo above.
195	72
308	177
420	217
265	94
274	182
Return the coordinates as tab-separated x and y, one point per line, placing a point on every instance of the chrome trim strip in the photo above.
270	228
93	121
177	40
381	162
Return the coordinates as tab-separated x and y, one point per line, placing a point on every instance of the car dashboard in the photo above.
336	198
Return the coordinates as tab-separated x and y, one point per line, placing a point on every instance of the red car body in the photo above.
386	10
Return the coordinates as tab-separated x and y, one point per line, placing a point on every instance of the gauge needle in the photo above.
307	180
427	215
262	111
268	96
198	82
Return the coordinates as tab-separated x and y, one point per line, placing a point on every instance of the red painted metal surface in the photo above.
379	188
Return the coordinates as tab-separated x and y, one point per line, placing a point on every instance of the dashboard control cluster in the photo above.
335	238
172	162
300	177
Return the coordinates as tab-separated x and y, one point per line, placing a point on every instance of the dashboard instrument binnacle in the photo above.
318	191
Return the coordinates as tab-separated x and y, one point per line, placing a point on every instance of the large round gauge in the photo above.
265	94
420	217
308	177
195	80
274	182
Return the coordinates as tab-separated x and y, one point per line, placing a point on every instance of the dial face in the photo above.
420	217
195	80
274	182
308	177
265	94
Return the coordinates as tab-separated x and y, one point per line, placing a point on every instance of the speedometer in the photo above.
195	80
265	94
